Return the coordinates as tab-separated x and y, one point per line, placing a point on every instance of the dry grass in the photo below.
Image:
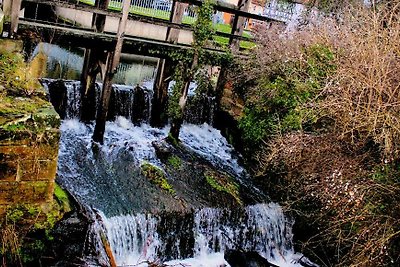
344	179
363	96
337	186
10	246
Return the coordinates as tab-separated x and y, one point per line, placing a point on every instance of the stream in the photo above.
144	225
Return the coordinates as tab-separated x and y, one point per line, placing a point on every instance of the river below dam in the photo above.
144	225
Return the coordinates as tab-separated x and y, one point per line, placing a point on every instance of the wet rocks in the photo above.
239	258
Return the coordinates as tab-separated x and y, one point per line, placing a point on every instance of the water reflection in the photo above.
55	62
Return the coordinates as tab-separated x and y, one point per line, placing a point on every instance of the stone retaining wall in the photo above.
28	158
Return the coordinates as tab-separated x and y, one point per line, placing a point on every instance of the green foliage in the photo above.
202	32
174	109
156	176
175	162
278	103
62	198
223	183
20	223
203	28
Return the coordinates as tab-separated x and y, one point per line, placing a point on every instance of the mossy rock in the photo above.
156	176
175	162
62	198
223	182
31	227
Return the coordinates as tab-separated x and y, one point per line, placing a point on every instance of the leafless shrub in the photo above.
355	212
363	96
10	245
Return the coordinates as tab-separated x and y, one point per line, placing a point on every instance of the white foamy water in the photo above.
122	134
135	239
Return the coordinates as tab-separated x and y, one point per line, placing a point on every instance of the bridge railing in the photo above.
279	10
160	9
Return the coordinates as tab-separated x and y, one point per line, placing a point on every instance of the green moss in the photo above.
11	105
223	183
62	198
175	162
15	76
156	176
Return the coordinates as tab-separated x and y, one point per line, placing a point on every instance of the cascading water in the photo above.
107	178
261	227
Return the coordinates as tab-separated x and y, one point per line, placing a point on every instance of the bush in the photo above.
325	104
363	94
279	100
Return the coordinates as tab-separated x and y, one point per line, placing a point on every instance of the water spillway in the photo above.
143	224
202	238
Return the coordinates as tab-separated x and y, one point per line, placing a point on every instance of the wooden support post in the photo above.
94	62
178	9
112	64
238	24
159	106
14	16
159	116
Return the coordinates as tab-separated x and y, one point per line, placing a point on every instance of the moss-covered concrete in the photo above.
156	176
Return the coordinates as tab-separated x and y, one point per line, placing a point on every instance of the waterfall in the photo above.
263	228
133	103
146	225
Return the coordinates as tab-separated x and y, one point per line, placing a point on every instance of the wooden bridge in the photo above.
106	28
150	26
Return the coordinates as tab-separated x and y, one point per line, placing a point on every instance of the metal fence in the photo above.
279	10
161	9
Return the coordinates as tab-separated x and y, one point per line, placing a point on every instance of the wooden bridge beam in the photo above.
112	64
238	24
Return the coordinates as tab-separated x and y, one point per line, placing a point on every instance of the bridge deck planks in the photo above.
87	38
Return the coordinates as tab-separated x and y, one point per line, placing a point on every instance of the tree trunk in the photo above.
176	123
164	71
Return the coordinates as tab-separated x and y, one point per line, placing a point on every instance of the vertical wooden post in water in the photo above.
165	71
94	61
112	64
